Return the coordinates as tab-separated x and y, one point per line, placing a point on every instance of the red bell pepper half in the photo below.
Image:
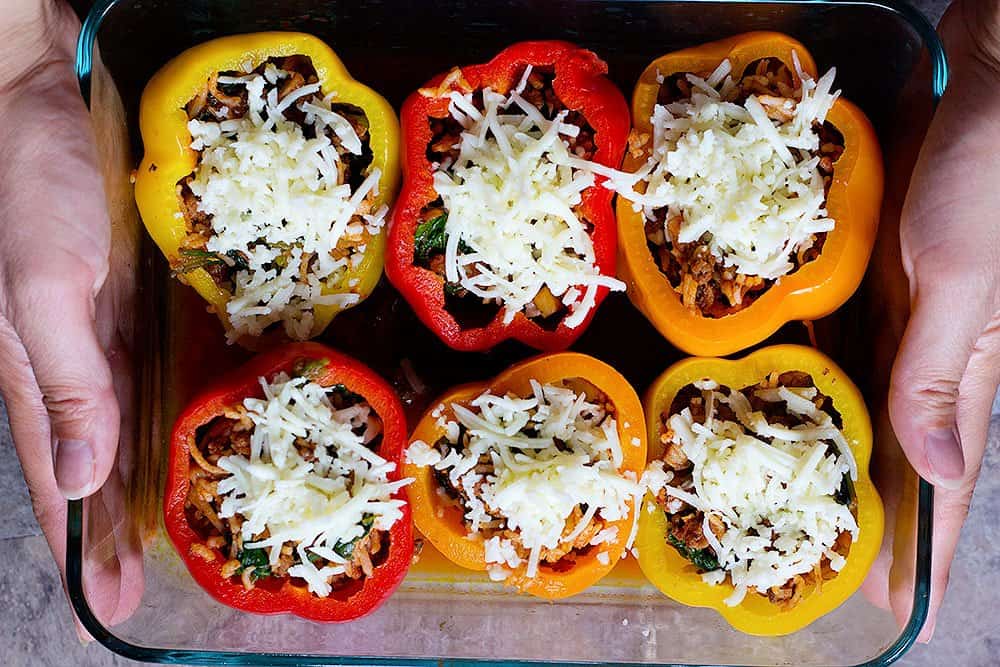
581	85
272	595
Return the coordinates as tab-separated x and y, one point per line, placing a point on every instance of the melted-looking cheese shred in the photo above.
513	197
748	186
773	487
551	452
317	503
269	188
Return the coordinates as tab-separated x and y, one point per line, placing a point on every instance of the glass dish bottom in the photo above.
888	60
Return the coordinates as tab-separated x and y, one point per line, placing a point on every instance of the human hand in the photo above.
64	297
948	367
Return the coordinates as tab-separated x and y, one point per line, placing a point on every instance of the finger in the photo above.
943	385
951	506
973	406
112	562
53	316
933	357
887	460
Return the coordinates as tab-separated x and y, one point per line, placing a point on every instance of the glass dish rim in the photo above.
74	530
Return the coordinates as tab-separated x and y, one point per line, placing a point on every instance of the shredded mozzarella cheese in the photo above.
268	188
775	495
512	197
551	453
313	504
747	185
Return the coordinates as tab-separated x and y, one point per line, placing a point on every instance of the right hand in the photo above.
946	373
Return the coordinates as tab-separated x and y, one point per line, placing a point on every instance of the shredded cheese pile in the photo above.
511	197
314	504
772	486
747	185
551	452
269	188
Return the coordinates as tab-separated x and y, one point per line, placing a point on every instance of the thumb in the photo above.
933	395
54	318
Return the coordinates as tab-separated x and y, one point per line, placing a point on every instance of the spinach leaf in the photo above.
703	559
430	239
346	549
257	559
845	492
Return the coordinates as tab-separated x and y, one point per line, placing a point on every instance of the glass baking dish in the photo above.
889	61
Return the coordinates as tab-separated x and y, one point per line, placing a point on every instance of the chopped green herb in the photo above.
257	559
346	549
452	289
845	492
193	259
430	239
312	368
703	559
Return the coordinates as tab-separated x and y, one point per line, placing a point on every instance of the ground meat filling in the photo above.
443	149
229	435
218	102
685	523
566	554
705	284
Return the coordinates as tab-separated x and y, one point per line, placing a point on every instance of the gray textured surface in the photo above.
15	506
40	629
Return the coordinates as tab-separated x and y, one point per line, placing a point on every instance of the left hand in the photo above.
66	290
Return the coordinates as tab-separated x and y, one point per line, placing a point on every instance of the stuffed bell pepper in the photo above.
760	504
501	229
284	492
534	475
266	181
757	193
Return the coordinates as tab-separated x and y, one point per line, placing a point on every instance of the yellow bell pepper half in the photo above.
163	123
677	577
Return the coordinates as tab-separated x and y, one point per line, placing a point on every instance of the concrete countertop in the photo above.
41	633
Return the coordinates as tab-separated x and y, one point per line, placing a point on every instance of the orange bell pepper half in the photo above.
441	521
817	288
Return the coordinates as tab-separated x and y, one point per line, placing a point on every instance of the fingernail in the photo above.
928	632
81	632
74	465
945	458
